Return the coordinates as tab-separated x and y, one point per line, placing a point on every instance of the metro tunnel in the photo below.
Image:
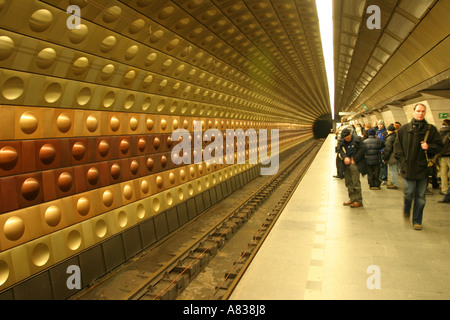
92	92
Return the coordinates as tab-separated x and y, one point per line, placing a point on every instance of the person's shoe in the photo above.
376	188
406	215
442	201
417	226
356	205
348	203
392	187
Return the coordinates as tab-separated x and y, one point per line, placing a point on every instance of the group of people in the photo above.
379	153
405	150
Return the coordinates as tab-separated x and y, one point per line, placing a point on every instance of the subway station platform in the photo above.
320	249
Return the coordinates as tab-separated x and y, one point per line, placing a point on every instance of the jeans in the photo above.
415	190
383	172
393	170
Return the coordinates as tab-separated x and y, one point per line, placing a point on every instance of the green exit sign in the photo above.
443	115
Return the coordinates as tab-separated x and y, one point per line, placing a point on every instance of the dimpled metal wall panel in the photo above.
90	95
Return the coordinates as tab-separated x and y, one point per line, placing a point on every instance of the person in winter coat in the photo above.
389	159
411	150
372	147
444	164
339	162
382	134
351	151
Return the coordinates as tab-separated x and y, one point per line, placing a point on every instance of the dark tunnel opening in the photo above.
322	128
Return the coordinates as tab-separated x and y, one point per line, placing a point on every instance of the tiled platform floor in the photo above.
320	249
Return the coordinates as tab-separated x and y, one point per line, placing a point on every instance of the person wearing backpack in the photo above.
372	148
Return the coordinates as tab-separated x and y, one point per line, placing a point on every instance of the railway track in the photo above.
168	277
274	196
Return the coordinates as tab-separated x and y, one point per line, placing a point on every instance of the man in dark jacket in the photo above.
410	151
372	146
351	151
382	134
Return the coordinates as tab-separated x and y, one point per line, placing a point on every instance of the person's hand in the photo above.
347	161
424	145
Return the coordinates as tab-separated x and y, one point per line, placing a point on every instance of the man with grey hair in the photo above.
352	152
415	141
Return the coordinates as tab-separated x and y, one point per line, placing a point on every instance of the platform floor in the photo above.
320	249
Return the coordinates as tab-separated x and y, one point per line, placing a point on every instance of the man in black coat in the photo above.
351	151
373	147
410	151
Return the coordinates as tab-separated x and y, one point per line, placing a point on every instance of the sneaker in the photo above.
417	226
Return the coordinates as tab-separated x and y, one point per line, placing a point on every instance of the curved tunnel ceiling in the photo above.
406	56
263	59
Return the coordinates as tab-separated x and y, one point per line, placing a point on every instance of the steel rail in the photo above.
258	240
